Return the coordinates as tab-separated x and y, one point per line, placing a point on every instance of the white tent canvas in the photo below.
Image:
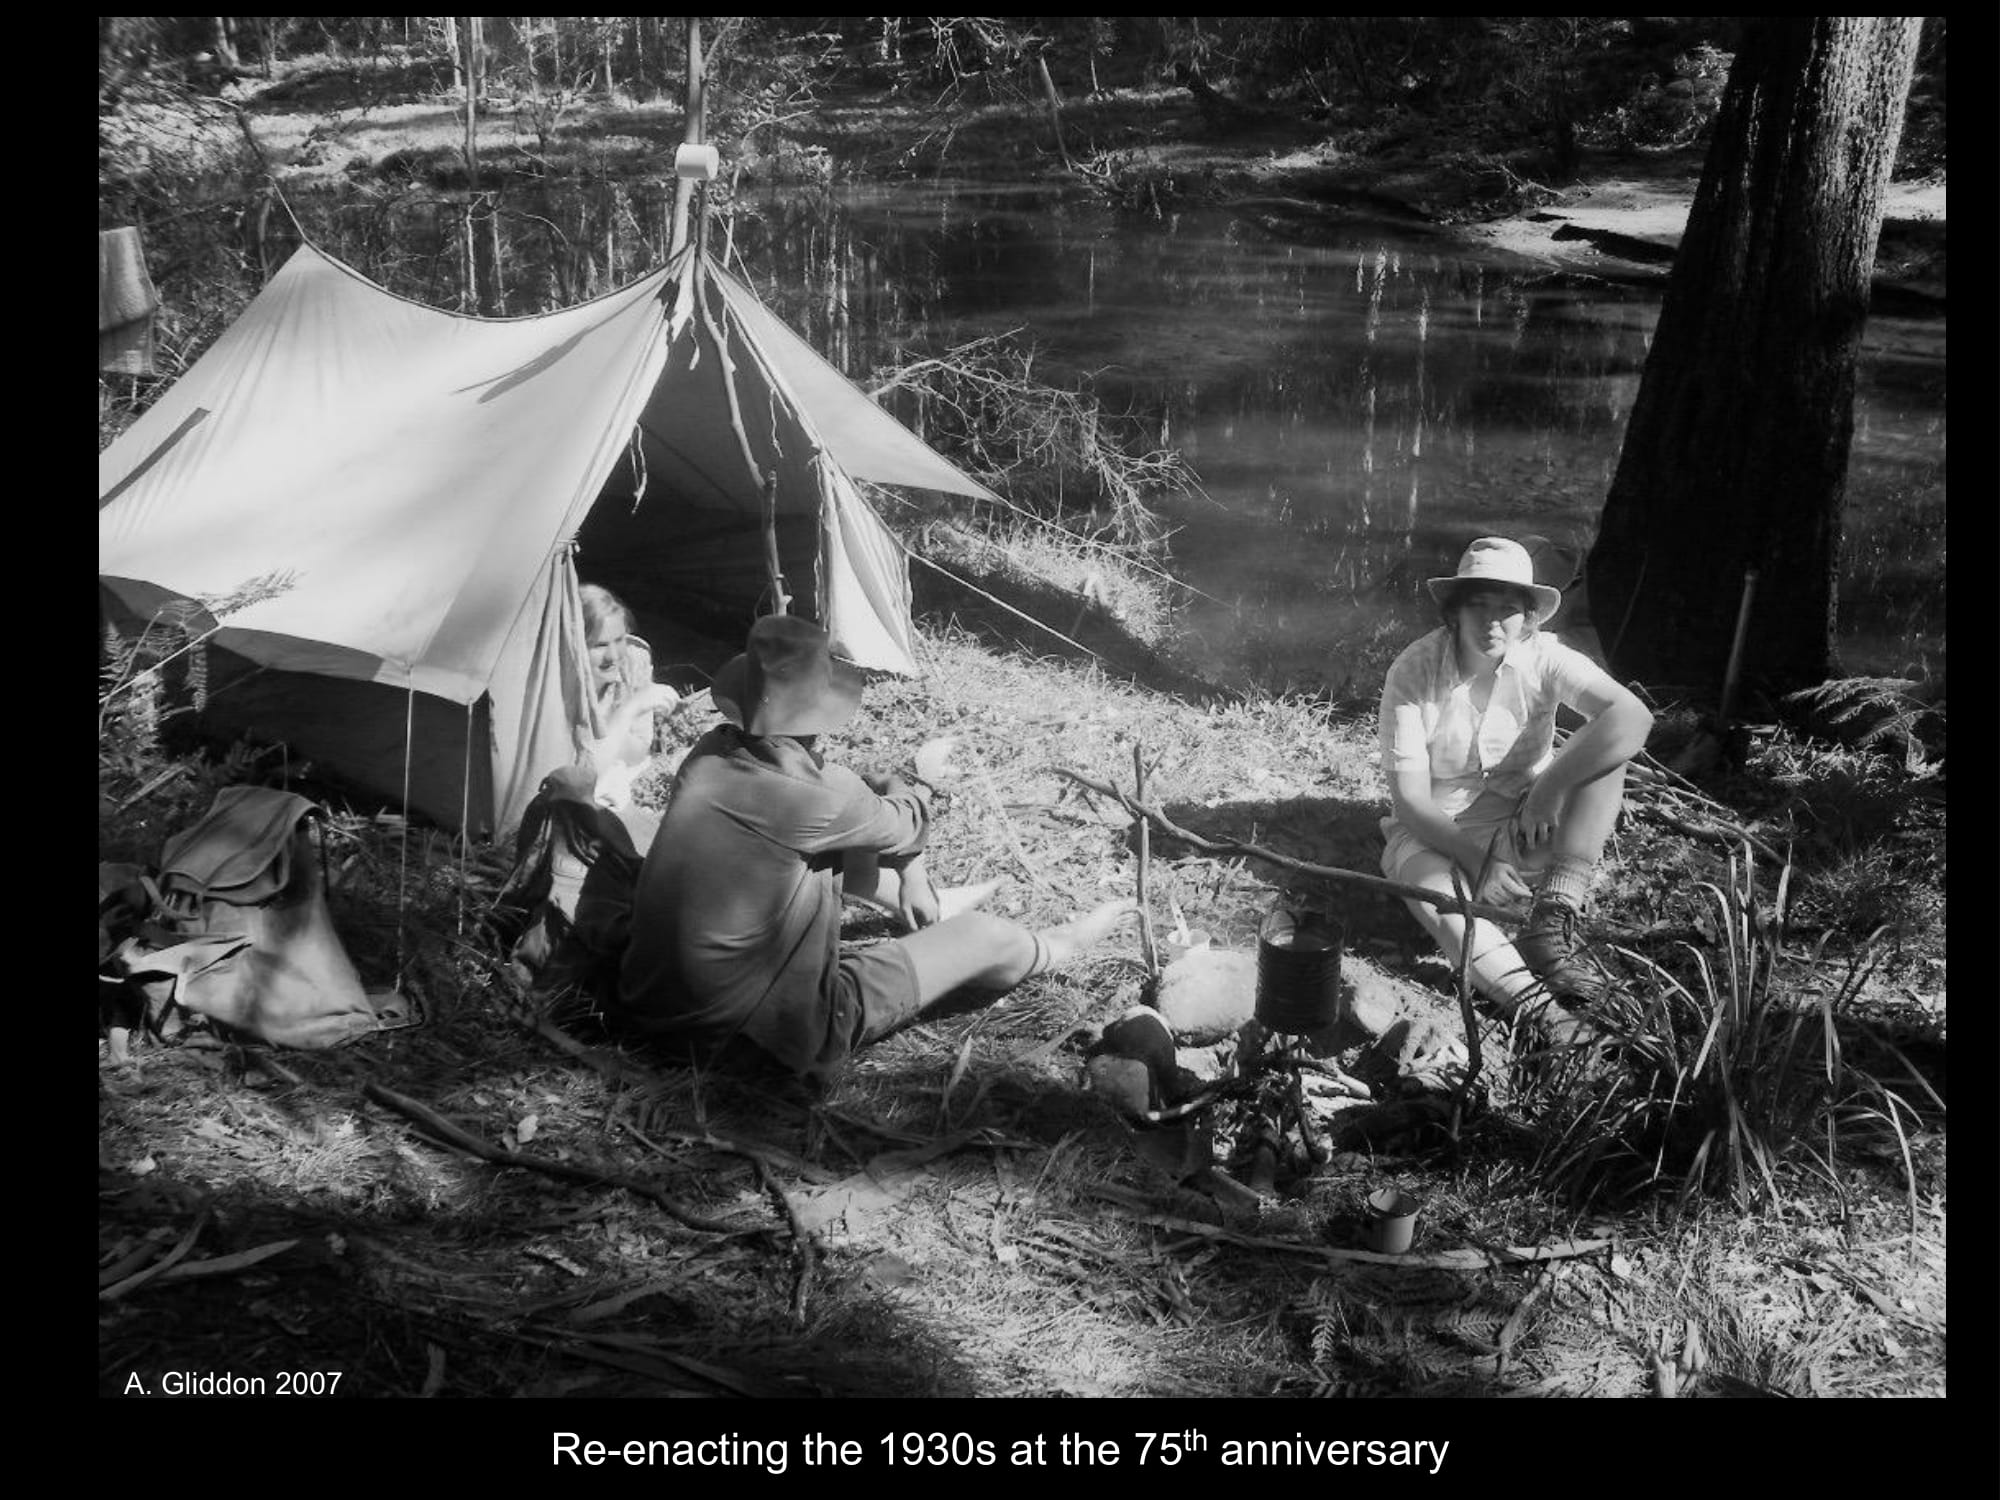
407	485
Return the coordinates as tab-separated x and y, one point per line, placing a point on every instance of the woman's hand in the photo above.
1503	885
1540	813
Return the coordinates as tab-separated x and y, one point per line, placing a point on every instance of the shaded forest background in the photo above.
560	185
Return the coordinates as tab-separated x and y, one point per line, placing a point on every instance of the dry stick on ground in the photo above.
802	1241
1495	914
430	1120
165	1263
1450	1260
1657	791
1148	948
1331	872
639	1356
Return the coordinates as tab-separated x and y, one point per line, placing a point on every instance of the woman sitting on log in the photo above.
1467	733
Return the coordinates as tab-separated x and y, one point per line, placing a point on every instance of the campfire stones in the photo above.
1135	1065
1207	994
1125	1083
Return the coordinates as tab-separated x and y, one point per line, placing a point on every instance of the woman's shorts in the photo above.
1489	818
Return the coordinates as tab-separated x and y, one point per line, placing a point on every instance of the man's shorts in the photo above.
1491	816
877	983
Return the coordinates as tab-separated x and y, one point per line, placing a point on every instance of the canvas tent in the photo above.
402	488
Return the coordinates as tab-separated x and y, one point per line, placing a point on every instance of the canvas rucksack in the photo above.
238	928
565	911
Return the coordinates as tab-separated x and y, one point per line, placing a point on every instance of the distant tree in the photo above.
222	39
1735	455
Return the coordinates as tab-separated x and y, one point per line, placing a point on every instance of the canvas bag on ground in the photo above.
244	893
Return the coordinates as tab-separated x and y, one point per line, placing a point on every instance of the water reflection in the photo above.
1357	403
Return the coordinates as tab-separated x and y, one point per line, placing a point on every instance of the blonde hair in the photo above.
600	608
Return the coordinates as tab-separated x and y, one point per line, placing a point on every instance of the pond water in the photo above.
1359	399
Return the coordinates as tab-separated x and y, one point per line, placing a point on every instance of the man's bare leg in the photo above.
992	953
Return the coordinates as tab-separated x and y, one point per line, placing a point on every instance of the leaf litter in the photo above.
932	1224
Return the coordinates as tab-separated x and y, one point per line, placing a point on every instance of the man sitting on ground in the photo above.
736	920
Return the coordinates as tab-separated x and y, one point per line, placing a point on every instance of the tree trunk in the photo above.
457	56
1735	455
693	108
469	72
1055	105
481	260
650	50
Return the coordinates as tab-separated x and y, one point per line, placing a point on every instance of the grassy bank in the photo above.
960	1215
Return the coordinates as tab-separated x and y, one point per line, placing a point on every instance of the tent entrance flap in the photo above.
701	570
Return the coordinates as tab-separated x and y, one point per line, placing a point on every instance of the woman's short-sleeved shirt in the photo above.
1428	719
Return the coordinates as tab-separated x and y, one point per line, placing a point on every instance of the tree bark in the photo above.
693	110
1735	455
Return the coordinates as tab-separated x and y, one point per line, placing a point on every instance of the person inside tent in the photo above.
736	918
627	700
1467	733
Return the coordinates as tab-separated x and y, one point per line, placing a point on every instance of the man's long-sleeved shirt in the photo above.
736	921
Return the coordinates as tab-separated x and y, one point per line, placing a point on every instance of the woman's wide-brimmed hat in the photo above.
787	681
1496	559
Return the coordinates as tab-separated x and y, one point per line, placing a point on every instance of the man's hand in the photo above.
889	784
916	897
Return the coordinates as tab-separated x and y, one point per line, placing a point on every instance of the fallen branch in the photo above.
1729	834
163	1264
638	1356
1496	914
1147	946
1447	1260
442	1129
767	1156
802	1243
1378	883
224	1265
607	1063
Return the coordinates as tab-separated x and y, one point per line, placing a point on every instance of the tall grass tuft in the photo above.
1721	1078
